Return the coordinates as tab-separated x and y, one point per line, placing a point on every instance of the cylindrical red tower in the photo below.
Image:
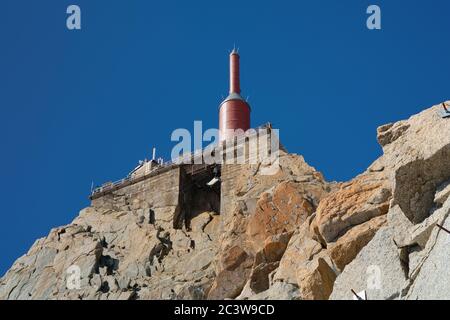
234	111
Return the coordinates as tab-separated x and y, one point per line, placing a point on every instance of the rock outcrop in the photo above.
408	258
290	235
119	257
266	212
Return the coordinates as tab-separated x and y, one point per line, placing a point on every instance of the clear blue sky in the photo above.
86	105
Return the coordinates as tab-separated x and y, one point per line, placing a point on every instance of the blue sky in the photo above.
83	106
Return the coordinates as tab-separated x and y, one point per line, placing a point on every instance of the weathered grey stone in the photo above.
408	234
279	291
396	218
377	269
200	261
442	193
417	160
432	273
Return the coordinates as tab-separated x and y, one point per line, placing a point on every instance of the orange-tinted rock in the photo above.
301	249
259	278
233	258
347	247
288	196
365	197
230	281
275	246
282	212
315	280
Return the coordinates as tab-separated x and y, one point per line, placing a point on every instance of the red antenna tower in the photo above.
234	111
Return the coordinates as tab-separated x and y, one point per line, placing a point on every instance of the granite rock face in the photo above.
119	256
377	269
416	156
265	213
289	235
365	197
408	257
431	269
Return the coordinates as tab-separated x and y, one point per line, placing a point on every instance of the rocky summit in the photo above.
291	235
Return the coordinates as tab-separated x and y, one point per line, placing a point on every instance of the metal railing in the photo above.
133	178
130	179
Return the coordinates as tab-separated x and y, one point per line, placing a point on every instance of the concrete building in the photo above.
173	192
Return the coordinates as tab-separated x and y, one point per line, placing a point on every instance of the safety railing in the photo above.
186	158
